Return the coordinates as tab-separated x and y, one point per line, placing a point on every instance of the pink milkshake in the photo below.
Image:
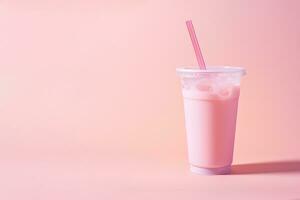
210	104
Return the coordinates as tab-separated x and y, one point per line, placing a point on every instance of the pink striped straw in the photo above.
195	43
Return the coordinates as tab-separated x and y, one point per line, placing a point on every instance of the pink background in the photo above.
91	106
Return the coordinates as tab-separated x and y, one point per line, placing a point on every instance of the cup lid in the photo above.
194	71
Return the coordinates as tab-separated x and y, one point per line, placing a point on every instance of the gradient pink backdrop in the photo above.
90	86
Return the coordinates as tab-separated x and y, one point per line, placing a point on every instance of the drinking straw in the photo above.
195	43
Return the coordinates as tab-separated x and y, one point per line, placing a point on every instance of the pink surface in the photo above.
79	122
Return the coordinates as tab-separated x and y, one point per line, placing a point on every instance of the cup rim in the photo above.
190	70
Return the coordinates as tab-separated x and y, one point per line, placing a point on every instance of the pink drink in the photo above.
210	103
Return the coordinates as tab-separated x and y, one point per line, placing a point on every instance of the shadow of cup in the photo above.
267	167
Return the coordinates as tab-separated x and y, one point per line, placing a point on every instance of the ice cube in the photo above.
185	86
204	87
225	91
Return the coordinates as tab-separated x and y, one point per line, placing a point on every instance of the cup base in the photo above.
210	171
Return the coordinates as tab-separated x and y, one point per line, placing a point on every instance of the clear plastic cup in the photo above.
210	106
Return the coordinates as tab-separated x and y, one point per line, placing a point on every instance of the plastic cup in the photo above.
210	105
